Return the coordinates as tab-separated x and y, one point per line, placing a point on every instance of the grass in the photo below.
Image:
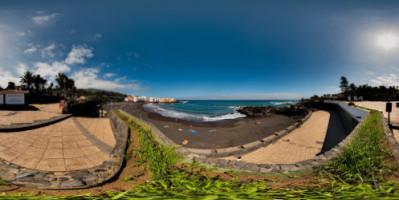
351	176
362	159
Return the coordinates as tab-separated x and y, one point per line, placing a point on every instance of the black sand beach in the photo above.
227	133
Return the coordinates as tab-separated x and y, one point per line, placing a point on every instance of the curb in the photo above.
38	124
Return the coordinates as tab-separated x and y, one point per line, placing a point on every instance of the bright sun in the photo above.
387	41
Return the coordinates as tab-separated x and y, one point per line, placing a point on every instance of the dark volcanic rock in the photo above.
72	183
256	111
292	111
262	111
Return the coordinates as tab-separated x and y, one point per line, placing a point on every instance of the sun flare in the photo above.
387	41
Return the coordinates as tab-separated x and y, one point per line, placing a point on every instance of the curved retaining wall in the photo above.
264	168
35	124
18	175
246	148
393	143
240	149
351	117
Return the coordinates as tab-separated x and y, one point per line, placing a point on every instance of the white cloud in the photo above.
109	75
42	19
84	77
20	34
48	51
30	50
98	36
78	55
386	79
21	69
266	96
6	76
88	78
50	71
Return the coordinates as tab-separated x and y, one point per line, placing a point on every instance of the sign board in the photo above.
1	99
388	108
15	99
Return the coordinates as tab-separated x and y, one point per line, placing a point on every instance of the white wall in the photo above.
15	99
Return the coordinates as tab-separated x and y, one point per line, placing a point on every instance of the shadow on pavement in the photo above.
335	131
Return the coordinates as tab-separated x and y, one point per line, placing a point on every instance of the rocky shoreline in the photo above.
267	111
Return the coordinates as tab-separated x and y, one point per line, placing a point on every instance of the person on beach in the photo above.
100	113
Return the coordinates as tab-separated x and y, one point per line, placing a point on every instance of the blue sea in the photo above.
210	111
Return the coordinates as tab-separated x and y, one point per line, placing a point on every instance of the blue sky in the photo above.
202	49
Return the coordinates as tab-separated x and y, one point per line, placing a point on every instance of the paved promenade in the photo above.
62	146
396	134
58	147
100	128
302	144
44	112
379	105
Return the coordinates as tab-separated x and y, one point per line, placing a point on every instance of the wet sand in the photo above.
227	134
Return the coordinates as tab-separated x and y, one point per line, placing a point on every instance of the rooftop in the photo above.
13	92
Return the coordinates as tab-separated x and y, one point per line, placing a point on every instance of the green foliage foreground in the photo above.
361	159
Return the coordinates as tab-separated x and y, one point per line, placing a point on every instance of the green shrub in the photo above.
362	158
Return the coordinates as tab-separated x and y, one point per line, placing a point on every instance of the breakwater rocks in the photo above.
263	111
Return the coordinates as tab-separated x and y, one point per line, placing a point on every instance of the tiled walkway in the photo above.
101	128
58	147
302	144
379	105
396	134
46	111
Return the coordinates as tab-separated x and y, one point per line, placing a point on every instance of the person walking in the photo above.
100	113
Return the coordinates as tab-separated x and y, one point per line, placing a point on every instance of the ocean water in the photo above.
210	111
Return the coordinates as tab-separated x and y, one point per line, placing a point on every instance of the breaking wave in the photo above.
283	103
193	117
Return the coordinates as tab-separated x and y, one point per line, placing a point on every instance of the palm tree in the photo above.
27	80
66	84
50	89
39	83
61	79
